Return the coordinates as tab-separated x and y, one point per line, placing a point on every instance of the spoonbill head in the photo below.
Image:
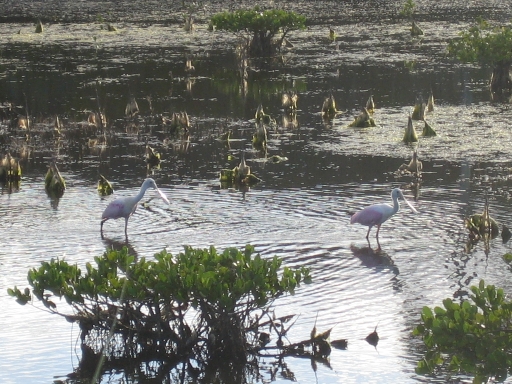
378	213
125	206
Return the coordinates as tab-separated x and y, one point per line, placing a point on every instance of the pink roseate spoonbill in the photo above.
126	206
378	213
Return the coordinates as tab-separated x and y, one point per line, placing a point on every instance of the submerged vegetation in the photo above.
54	183
414	167
261	117
428	131
39	27
482	225
363	120
418	113
239	176
104	186
259	138
10	169
415	29
329	109
410	135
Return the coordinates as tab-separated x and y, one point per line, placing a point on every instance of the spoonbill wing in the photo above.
369	216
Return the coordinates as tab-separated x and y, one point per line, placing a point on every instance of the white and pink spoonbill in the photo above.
378	213
126	206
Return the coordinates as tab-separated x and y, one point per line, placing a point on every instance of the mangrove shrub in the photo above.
487	45
473	336
265	30
197	304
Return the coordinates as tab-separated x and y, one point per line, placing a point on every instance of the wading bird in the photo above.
378	213
126	206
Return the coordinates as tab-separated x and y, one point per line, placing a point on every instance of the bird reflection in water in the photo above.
116	245
373	258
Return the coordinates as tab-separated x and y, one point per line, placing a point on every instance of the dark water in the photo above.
301	209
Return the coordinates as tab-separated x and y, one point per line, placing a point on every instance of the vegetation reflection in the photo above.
201	307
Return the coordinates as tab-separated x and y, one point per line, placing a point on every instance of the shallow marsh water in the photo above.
301	209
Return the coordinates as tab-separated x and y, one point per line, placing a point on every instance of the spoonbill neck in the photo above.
396	204
142	191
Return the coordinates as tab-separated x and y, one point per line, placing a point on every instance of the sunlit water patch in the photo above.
465	133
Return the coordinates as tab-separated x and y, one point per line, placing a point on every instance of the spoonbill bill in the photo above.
378	213
126	206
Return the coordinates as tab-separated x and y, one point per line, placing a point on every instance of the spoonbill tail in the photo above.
126	206
378	213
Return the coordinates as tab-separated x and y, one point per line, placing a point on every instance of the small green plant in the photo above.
410	64
410	135
39	27
329	110
259	138
428	131
54	183
473	337
104	186
485	44
178	124
415	29
363	120
260	28
419	110
10	169
231	177
408	8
